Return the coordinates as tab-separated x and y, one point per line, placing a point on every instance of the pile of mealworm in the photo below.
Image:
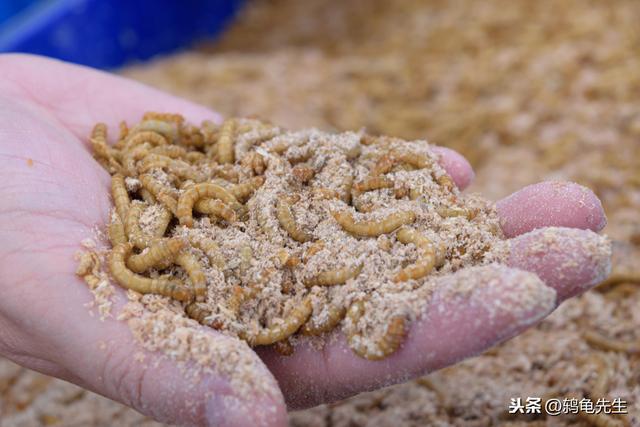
265	233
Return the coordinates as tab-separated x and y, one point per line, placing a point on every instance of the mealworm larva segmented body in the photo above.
384	164
191	265
210	249
160	252
123	132
254	161
239	296
373	228
120	195
215	207
101	150
334	277
164	194
335	314
427	261
315	247
445	181
226	142
147	136
200	313
374	182
196	192
132	226
177	167
599	340
178	119
272	334
116	231
384	345
165	217
244	190
141	284
303	173
288	222
172	151
284	347
147	196
132	157
453	211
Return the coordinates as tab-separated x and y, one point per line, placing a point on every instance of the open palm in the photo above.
53	195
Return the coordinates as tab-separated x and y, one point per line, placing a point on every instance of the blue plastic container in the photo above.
109	33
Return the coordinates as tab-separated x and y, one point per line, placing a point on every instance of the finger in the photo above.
203	378
551	204
456	165
471	310
78	97
567	259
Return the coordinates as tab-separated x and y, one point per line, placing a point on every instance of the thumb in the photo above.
185	375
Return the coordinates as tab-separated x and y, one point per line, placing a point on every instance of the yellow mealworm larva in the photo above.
254	161
272	334
384	164
102	152
226	142
200	313
164	117
164	194
599	340
288	222
215	207
168	130
418	161
196	192
151	137
383	346
239	296
374	182
454	211
124	131
160	252
334	277
427	261
191	136
132	226
602	374
172	151
244	190
164	218
194	156
373	228
284	347
191	265
315	247
210	249
144	285
147	196
303	173
446	182
116	231
177	167
120	195
335	314
133	155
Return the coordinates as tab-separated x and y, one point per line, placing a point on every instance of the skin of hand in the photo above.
54	195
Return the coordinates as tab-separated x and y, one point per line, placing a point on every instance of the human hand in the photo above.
54	194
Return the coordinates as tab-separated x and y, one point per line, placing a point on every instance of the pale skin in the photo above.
53	194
